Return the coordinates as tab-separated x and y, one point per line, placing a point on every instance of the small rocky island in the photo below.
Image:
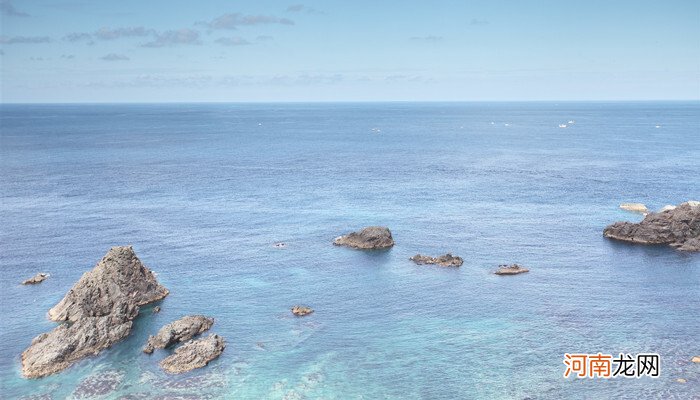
178	331
98	311
512	269
38	278
301	311
445	260
372	237
678	227
194	354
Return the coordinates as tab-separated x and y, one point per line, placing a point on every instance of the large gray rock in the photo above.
98	312
194	354
119	275
373	237
445	260
678	227
56	350
178	331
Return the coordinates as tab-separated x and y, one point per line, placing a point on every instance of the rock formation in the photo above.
446	260
119	275
373	237
512	269
38	278
178	331
300	311
194	354
98	312
679	227
56	350
635	207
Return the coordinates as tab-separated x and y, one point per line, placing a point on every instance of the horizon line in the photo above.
2	103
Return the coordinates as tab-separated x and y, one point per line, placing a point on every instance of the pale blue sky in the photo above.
164	50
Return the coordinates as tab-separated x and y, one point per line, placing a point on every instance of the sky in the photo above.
440	50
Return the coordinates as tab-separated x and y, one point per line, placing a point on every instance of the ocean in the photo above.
204	191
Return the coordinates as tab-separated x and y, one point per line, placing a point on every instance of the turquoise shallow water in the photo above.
203	192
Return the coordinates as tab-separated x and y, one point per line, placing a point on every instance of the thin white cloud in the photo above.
297	8
404	78
175	38
301	80
77	36
199	81
116	33
234	20
114	57
24	39
158	80
158	39
110	34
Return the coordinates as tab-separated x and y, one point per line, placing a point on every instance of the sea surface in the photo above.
204	191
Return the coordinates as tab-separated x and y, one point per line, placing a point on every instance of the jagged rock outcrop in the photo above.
178	331
445	260
512	269
56	350
98	312
119	275
373	237
38	278
194	354
301	311
678	227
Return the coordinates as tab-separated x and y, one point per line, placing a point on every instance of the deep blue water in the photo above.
203	192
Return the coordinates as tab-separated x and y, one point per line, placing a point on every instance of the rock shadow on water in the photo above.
295	331
99	385
43	396
649	250
198	384
197	380
168	396
308	381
